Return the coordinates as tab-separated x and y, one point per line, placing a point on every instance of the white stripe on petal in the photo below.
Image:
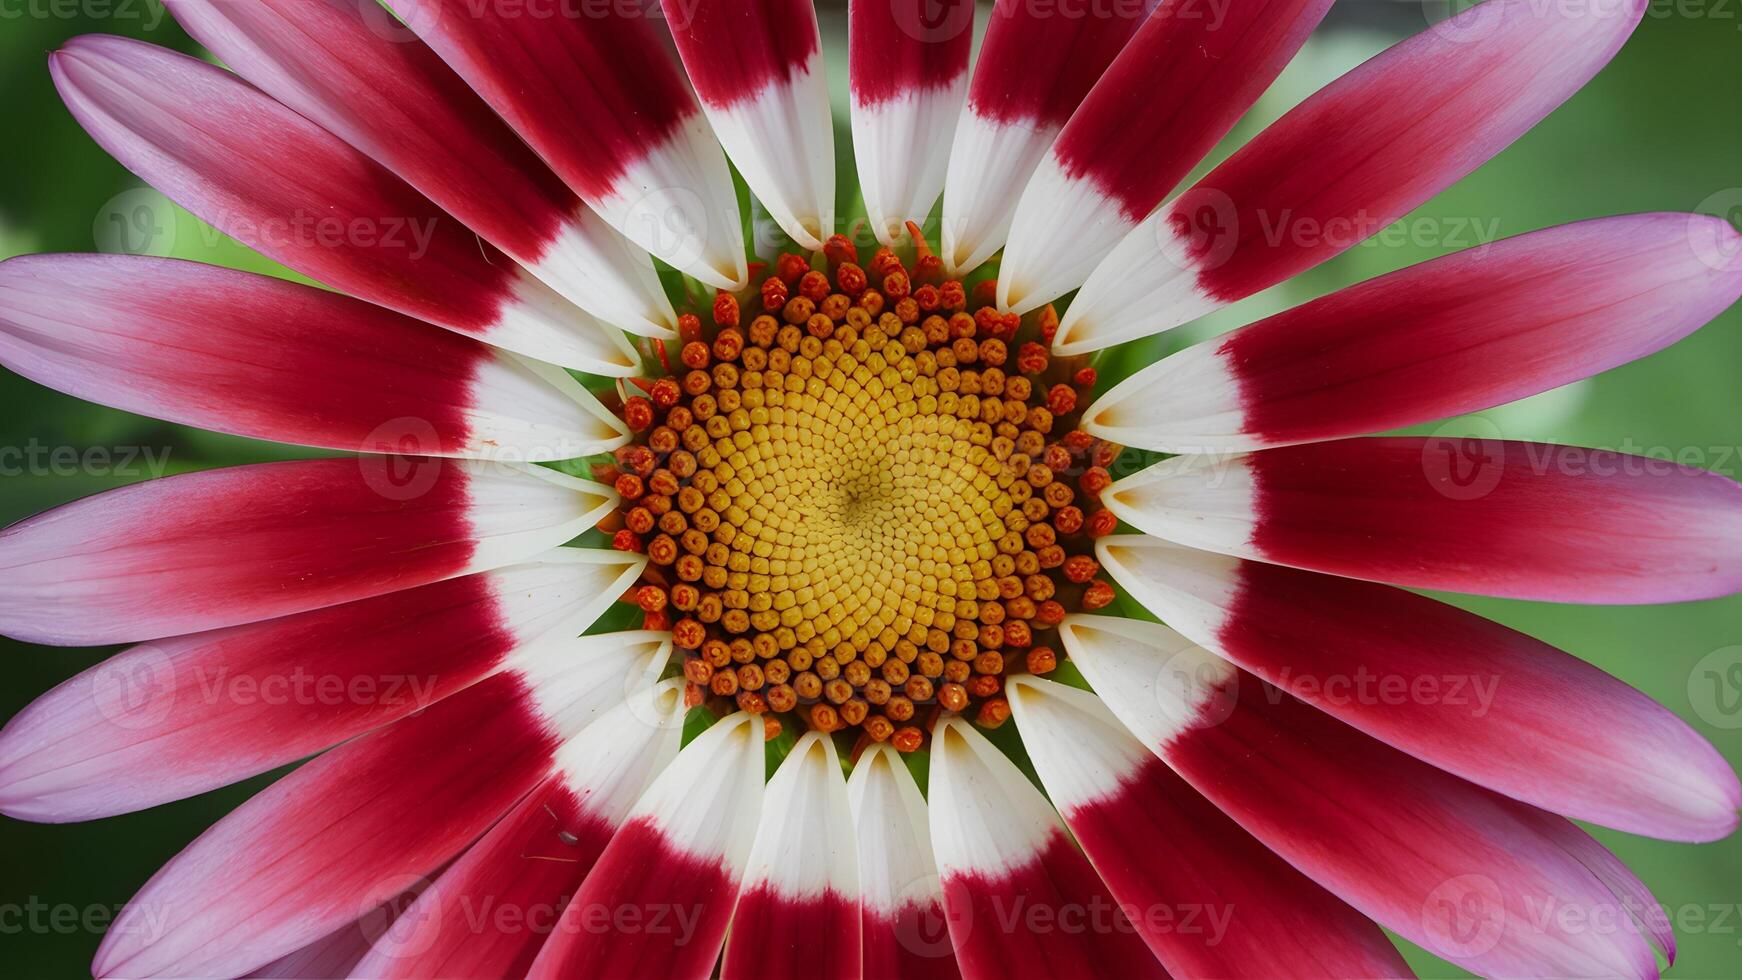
676	202
1155	680
1187	403
1052	249
575	680
986	817
902	149
514	506
1207	502
800	850
896	867
990	161
1081	751
1149	278
782	141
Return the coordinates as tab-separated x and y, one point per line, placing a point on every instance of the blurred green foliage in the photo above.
1658	130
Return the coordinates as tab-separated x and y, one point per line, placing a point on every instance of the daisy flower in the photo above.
814	612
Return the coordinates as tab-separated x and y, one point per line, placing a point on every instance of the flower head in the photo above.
673	569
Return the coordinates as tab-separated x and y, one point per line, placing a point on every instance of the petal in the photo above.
1484	516
1022	901
1347	162
336	955
1175	90
1214	901
1470	876
757	66
224	547
268	177
252	355
1459	334
658	902
598	95
906	936
907	74
1037	62
394	100
344	833
488	914
798	911
181	716
1472	697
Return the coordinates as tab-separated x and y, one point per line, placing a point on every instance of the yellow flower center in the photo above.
865	507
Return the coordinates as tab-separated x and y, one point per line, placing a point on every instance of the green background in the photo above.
1659	129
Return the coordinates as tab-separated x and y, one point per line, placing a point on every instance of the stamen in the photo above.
866	505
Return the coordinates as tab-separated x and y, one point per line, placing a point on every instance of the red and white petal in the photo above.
905	934
1037	62
1469	875
1458	334
599	96
1211	901
392	98
757	66
1021	900
1484	516
1342	165
176	717
336	955
1175	90
488	914
346	832
798	909
224	547
907	76
252	355
1474	698
658	902
277	182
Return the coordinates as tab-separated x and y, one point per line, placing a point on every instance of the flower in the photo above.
861	506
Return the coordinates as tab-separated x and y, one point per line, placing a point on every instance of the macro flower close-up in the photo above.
768	505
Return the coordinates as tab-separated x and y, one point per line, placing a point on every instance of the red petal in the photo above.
1483	516
1037	62
1477	699
1473	877
225	547
602	100
181	716
1345	163
277	182
1213	902
1180	85
1459	334
392	98
257	356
